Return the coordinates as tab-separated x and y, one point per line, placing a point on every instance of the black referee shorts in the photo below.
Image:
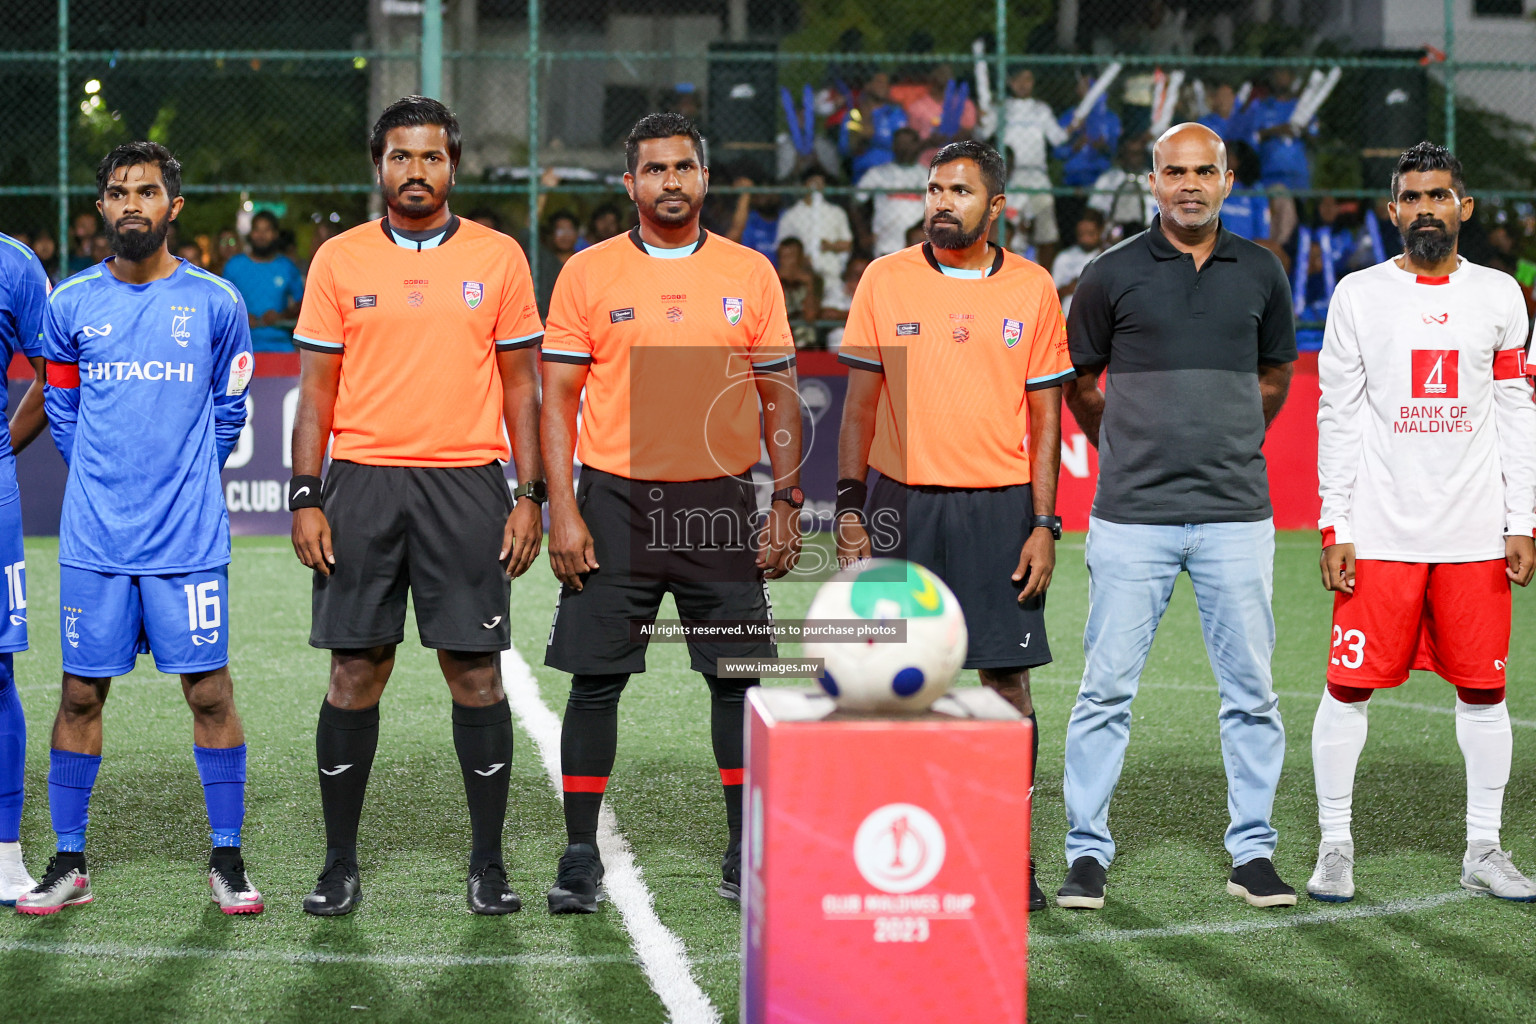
694	539
435	532
970	539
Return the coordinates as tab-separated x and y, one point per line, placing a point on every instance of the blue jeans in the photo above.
1131	571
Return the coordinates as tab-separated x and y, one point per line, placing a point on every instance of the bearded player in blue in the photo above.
23	298
148	358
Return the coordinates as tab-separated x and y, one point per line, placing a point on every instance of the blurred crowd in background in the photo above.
844	185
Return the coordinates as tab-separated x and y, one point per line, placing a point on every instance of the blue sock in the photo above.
223	773
13	753
70	779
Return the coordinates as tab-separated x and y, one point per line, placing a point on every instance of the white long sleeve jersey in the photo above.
1426	448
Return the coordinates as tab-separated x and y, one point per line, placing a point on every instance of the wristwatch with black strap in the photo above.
794	496
535	489
1052	523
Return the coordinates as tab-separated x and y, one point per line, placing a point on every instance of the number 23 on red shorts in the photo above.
1451	618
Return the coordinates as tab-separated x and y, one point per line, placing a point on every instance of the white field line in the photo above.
661	953
1272	920
122	951
1390	702
1269	922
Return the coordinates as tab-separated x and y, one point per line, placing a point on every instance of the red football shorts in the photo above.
1450	618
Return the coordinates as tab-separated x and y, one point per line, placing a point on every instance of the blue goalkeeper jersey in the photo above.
146	399
23	300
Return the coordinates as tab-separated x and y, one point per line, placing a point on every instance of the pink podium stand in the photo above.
885	862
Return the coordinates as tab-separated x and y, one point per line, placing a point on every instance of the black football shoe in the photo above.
336	892
489	892
730	871
579	882
1036	897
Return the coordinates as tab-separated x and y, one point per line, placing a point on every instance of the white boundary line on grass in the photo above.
123	951
661	953
1260	924
1389	702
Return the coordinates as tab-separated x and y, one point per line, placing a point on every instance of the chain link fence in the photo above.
268	103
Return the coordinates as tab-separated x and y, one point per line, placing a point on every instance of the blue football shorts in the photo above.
106	620
13	629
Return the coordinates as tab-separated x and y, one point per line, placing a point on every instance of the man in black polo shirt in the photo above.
1194	326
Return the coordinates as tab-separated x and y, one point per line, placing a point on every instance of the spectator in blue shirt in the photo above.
1282	154
1225	119
1245	212
1090	148
755	223
270	283
867	130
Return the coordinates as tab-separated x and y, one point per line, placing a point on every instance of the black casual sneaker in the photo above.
579	882
1036	897
730	871
1256	882
337	891
489	892
1084	887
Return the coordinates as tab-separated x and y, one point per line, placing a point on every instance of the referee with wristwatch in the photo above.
674	343
956	353
418	336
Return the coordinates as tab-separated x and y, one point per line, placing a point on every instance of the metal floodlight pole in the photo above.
1450	75
62	244
1000	96
432	48
1000	93
533	140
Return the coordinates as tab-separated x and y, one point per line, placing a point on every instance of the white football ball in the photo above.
884	676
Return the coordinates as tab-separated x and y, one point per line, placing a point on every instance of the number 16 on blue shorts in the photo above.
106	620
13	555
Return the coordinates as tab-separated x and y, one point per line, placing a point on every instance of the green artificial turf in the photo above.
152	948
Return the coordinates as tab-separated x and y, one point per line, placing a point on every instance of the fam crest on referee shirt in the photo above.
1013	330
474	291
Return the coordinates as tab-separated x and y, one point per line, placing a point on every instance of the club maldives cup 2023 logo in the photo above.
899	848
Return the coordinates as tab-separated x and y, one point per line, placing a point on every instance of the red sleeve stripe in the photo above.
1509	364
63	375
732	776
1329	539
584	783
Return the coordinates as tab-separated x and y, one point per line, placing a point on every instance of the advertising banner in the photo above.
256	476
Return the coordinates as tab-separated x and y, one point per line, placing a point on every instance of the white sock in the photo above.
1487	743
10	851
1338	736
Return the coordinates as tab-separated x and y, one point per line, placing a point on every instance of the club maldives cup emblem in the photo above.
474	291
1013	330
899	848
732	311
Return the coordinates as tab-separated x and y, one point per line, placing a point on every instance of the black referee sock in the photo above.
345	742
589	741
483	739
1034	749
727	730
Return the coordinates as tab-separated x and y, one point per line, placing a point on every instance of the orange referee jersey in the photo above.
418	330
672	346
958	355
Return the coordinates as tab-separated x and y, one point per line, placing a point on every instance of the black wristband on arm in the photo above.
851	494
304	492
